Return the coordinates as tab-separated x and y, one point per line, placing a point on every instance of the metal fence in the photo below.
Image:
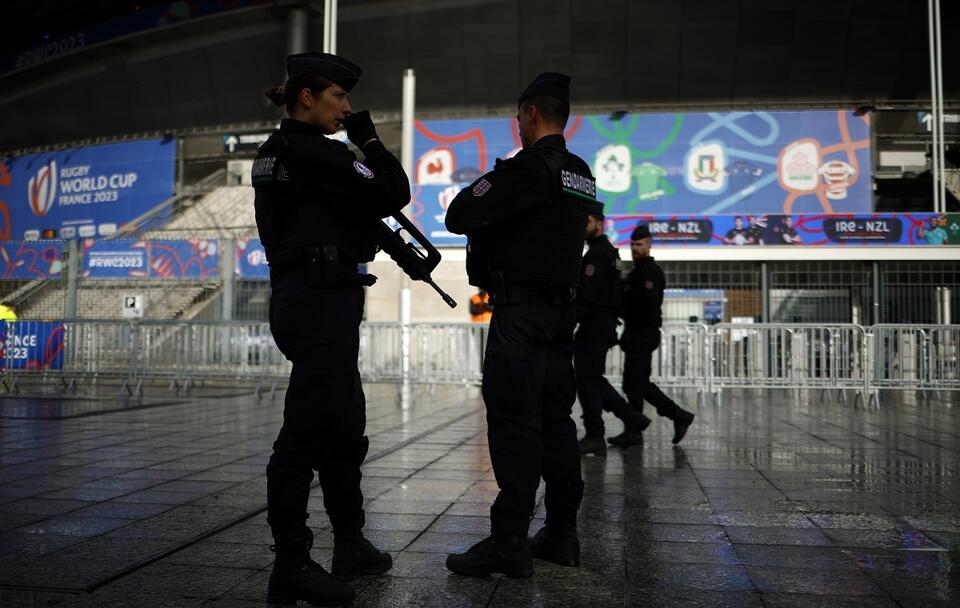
842	357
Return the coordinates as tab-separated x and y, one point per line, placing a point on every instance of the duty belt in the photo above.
507	290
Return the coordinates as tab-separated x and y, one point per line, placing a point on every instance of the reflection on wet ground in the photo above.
774	499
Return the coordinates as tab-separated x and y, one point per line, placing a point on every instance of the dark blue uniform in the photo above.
642	301
598	306
525	220
317	210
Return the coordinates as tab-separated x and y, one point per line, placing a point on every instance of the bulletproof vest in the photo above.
544	244
609	293
643	295
291	216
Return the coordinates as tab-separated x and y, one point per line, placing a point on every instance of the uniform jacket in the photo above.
525	219
643	296
312	191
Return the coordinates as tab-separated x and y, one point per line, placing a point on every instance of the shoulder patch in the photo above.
578	185
362	169
262	171
589	270
481	187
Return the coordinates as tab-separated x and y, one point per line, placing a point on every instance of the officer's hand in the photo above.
360	128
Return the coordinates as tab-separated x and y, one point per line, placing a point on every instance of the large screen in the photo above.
704	164
83	192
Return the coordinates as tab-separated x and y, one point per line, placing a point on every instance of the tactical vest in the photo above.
290	219
543	245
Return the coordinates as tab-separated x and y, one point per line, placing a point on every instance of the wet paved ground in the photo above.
773	500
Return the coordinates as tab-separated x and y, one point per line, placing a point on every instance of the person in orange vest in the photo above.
480	307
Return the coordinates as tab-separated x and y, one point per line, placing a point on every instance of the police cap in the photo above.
333	68
642	231
552	84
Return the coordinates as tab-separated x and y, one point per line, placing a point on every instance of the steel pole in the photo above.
406	159
942	167
934	115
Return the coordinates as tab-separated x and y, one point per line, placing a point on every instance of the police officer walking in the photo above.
525	222
318	210
642	299
598	306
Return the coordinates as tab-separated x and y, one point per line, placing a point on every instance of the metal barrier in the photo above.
915	357
680	362
447	352
787	356
710	359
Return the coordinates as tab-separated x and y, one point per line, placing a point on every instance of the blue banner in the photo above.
197	259
31	260
877	229
83	192
31	345
252	260
816	162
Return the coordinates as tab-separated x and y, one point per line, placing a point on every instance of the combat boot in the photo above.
632	434
681	423
557	544
297	577
632	418
504	554
592	444
354	555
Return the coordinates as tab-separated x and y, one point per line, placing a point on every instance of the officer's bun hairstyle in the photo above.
553	110
286	94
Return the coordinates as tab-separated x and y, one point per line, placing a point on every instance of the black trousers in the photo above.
593	339
324	413
638	347
529	390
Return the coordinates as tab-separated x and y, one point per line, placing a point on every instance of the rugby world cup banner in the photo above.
197	259
19	260
878	229
251	260
715	163
31	345
83	192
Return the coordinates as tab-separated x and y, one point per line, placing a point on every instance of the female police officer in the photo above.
317	210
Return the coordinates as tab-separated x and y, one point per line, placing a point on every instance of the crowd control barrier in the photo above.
708	359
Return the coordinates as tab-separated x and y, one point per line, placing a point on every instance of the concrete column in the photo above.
297	25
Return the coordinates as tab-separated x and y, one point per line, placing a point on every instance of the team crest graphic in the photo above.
798	166
836	175
612	166
42	188
362	169
707	168
436	167
481	188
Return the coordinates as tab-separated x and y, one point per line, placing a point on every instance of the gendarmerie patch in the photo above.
262	171
578	185
481	188
362	169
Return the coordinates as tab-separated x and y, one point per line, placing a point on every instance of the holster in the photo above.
321	266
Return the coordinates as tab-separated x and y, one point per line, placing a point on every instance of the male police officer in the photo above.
642	299
317	210
598	306
525	222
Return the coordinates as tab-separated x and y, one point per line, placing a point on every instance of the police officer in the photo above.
317	209
525	222
642	299
598	306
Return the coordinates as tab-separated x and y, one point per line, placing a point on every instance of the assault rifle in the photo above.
408	255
